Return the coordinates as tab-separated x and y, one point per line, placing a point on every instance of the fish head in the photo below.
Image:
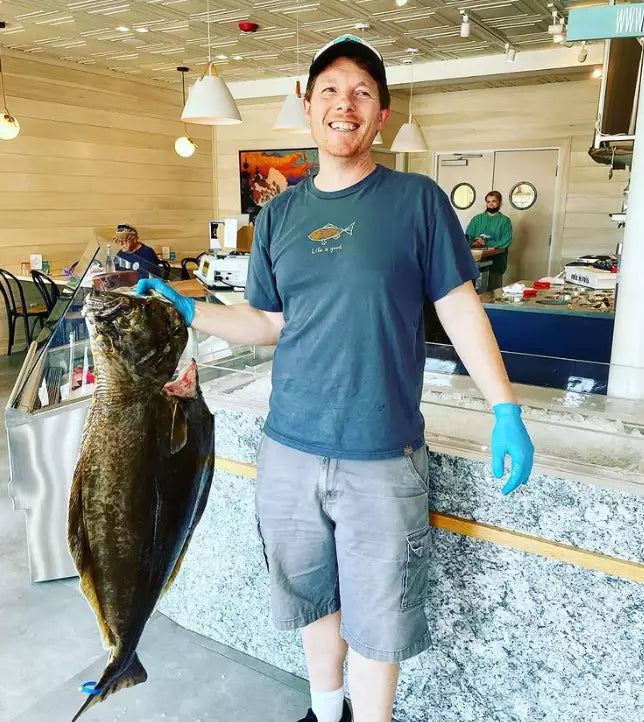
138	336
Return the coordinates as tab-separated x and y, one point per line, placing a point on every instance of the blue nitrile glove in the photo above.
185	306
511	437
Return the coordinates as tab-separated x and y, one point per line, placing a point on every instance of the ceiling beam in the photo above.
527	61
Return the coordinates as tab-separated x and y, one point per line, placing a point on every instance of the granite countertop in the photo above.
585	437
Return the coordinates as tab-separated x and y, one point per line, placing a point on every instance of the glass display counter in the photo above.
50	399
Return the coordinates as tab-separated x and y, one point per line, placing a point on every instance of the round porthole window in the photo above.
523	196
463	196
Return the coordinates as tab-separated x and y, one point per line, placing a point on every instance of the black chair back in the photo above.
14	299
13	292
185	271
48	289
165	269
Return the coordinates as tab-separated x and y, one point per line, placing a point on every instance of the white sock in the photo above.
327	706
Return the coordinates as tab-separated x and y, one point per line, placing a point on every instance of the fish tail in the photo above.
112	680
349	229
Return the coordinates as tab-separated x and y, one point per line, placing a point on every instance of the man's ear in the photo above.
385	114
307	108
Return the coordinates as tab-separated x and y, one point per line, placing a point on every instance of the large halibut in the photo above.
143	474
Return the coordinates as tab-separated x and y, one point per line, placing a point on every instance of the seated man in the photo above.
133	254
492	229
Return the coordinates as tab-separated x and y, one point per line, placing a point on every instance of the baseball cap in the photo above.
348	46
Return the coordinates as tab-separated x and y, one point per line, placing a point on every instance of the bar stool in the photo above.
13	295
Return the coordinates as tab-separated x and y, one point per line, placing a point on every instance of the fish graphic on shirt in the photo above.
330	232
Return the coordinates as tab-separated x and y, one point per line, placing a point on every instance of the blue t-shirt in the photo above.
142	260
350	270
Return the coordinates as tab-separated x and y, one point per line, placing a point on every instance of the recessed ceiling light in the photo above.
123	29
237	57
142	30
222	57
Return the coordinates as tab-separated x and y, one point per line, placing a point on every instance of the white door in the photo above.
475	169
533	176
504	171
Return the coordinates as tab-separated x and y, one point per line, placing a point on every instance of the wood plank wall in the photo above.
554	114
96	149
255	133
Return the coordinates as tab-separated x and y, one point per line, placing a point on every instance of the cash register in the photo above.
223	271
225	268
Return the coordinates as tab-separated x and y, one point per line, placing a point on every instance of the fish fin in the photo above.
177	566
79	549
179	431
109	683
349	229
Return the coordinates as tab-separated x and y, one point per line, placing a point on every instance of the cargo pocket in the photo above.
262	542
415	589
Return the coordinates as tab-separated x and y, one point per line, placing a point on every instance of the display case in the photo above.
48	405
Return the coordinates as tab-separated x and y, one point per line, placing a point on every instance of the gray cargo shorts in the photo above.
350	535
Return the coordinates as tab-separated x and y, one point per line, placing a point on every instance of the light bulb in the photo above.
510	55
583	54
558	38
401	3
184	146
465	27
597	73
9	127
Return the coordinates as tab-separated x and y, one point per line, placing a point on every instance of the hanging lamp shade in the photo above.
9	127
378	139
291	116
210	102
409	139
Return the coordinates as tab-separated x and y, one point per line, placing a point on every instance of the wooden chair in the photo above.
13	295
47	288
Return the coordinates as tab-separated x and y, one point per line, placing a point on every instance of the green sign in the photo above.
609	21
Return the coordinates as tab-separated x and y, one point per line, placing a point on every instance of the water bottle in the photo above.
109	263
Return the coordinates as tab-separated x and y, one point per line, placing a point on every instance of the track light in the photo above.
401	3
583	53
465	26
558	38
510	53
556	27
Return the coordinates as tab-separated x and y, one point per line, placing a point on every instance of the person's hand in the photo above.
478	242
511	437
185	306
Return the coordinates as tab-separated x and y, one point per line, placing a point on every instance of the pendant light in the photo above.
409	138
184	145
209	100
9	126
291	116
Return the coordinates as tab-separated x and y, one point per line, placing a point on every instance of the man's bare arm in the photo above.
468	327
239	323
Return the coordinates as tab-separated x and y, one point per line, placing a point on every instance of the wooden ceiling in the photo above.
156	36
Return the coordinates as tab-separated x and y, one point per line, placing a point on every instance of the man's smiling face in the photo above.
344	110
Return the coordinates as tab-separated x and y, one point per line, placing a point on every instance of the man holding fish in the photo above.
340	267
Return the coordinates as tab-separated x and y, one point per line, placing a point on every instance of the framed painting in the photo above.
265	173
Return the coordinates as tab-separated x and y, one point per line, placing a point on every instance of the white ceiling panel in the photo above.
162	34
